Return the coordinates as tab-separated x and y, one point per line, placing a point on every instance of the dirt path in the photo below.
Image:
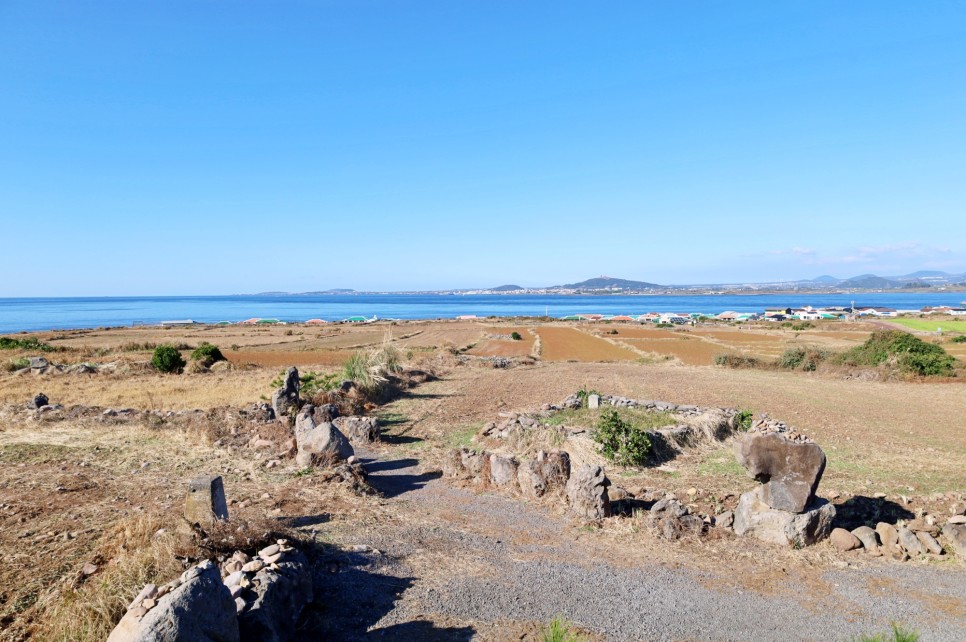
456	565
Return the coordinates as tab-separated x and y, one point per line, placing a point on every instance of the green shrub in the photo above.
371	370
664	325
908	353
621	442
960	339
166	358
743	419
17	364
207	354
516	336
30	343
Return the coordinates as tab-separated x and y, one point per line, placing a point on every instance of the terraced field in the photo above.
493	347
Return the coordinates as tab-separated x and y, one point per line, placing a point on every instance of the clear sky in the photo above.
214	147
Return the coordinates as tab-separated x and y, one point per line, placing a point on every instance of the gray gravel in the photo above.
551	574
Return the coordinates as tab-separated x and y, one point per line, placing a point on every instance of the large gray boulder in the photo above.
587	492
201	609
280	595
285	400
319	444
757	519
790	471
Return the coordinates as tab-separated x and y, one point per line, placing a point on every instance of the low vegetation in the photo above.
897	634
894	351
207	354
371	370
167	358
30	343
560	630
906	352
621	442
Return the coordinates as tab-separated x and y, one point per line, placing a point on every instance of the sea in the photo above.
33	314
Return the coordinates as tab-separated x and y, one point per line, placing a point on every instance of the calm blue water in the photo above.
63	313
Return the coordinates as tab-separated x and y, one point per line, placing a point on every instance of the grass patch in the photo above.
33	453
462	437
931	325
898	633
560	630
639	418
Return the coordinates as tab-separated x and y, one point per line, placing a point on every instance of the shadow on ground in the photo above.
868	511
351	598
393	485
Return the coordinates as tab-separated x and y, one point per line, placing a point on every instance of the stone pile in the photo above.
43	366
784	509
575	401
908	539
285	400
248	599
671	519
360	430
767	426
319	443
549	471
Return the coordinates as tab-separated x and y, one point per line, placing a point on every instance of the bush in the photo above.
166	358
960	339
807	359
516	336
743	420
621	442
30	343
207	354
736	361
559	630
908	353
17	364
371	370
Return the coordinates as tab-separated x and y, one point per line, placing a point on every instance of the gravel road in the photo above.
459	566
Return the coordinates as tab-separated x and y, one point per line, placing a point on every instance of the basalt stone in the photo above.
39	401
359	430
205	501
285	400
319	444
789	471
587	492
503	470
757	519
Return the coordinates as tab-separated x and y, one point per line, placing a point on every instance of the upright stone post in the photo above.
205	501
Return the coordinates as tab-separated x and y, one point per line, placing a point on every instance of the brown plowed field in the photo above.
691	351
567	344
491	347
286	359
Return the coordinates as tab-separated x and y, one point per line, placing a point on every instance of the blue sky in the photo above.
221	147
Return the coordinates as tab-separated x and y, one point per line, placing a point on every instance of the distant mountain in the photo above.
608	283
922	274
506	288
869	282
825	278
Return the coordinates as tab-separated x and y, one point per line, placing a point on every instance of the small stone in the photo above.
89	569
844	540
868	537
725	519
138	612
879	495
235	590
239	605
909	541
929	543
148	603
271	559
234	578
254	566
359	548
149	590
888	534
957	519
232	566
268	551
241	557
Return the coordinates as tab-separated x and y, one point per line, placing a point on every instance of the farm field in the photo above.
932	325
569	344
501	347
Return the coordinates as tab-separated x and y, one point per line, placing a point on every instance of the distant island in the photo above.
929	280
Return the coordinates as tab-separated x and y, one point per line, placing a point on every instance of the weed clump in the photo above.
621	442
736	361
560	630
516	336
166	358
906	352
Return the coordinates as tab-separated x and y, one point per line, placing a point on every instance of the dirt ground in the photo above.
69	483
